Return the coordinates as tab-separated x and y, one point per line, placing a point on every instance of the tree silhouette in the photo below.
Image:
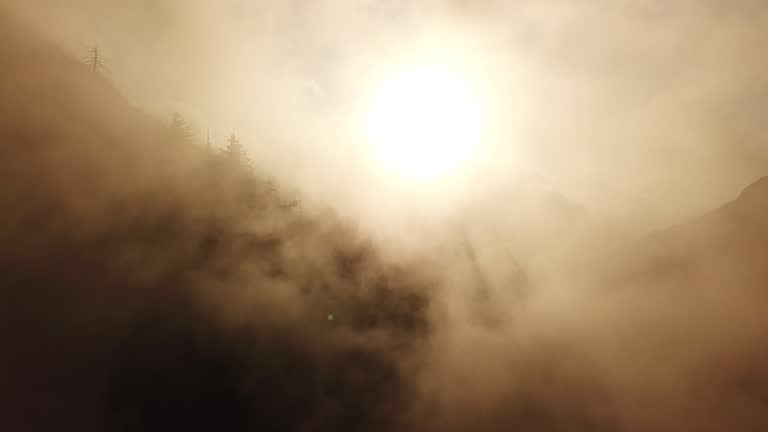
180	129
234	152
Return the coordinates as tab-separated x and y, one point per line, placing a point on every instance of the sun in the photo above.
424	122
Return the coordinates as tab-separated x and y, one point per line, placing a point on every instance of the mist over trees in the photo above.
151	283
154	278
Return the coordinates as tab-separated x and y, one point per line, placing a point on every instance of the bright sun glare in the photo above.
424	122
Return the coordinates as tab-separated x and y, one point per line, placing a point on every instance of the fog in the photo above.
630	85
598	264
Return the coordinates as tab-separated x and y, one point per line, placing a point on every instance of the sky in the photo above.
645	112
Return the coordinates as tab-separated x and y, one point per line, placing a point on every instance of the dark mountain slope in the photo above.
146	284
679	319
731	241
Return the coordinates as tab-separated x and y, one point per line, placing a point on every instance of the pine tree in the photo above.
234	152
180	129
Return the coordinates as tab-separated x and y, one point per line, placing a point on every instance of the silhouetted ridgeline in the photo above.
150	285
727	242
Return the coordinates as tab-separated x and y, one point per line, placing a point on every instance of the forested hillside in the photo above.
152	283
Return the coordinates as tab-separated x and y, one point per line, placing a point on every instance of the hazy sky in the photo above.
639	110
